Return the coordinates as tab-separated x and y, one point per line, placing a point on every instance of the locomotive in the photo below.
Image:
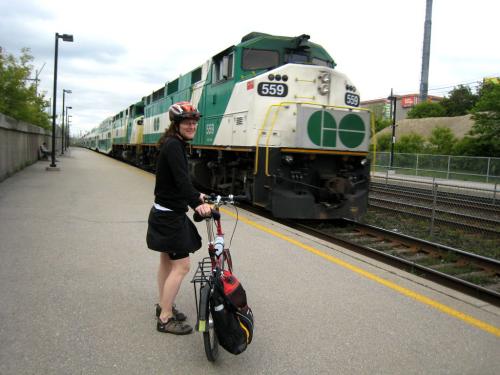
279	125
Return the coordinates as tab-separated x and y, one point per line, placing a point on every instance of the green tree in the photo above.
410	143
18	99
383	142
441	141
486	116
460	101
381	123
466	147
427	109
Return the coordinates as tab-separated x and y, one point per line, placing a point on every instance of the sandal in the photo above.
173	326
177	314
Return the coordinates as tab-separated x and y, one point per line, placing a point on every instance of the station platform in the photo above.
78	288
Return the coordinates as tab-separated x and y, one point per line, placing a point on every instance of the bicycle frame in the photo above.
209	268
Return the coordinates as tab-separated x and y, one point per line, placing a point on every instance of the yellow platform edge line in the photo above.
407	292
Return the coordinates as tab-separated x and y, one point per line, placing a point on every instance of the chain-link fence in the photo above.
462	215
465	168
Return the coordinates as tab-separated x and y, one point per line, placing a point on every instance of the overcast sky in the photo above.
123	50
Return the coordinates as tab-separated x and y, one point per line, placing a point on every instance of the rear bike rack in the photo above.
201	284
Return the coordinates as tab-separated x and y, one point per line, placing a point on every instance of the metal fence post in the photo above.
488	170
448	171
416	167
434	200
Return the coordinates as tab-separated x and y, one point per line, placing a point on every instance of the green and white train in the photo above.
279	125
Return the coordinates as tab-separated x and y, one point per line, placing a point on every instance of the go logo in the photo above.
322	130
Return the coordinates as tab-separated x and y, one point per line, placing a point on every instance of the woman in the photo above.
170	232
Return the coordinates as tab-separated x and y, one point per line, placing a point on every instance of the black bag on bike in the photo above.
233	318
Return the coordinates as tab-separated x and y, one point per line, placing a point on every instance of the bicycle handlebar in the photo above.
218	200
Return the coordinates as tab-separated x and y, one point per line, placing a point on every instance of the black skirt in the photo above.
170	231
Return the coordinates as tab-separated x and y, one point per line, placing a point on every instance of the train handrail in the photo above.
273	123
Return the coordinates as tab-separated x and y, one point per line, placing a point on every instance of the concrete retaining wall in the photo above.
20	143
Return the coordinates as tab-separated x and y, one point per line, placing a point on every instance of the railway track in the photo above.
479	205
450	217
468	272
468	212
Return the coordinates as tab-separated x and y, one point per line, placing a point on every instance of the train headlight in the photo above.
324	86
325	77
364	162
324	89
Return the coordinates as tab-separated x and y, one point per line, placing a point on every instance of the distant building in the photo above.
382	107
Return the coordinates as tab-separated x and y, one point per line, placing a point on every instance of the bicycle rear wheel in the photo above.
210	340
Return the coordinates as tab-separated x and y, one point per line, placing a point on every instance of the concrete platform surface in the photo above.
78	287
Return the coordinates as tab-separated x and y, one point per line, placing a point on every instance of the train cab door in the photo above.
216	96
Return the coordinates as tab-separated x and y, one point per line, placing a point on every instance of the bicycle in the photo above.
209	268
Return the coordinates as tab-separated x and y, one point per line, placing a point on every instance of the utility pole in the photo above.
394	102
36	79
426	52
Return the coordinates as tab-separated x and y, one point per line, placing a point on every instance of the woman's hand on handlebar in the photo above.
203	209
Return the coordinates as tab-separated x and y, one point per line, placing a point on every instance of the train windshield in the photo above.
254	59
295	58
321	62
305	58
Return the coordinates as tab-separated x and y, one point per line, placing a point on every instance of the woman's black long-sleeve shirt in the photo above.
174	189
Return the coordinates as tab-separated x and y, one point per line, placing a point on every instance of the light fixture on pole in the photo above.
67	126
65	38
62	128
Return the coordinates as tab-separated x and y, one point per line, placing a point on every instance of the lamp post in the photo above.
393	100
65	38
62	128
67	125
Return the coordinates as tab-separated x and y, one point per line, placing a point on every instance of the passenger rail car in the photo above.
279	124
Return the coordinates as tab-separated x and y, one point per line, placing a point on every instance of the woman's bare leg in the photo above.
179	269
163	271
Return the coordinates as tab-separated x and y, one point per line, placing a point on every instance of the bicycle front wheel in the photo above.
210	340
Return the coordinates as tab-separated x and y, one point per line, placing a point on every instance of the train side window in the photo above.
227	66
223	68
254	59
158	94
196	75
173	86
